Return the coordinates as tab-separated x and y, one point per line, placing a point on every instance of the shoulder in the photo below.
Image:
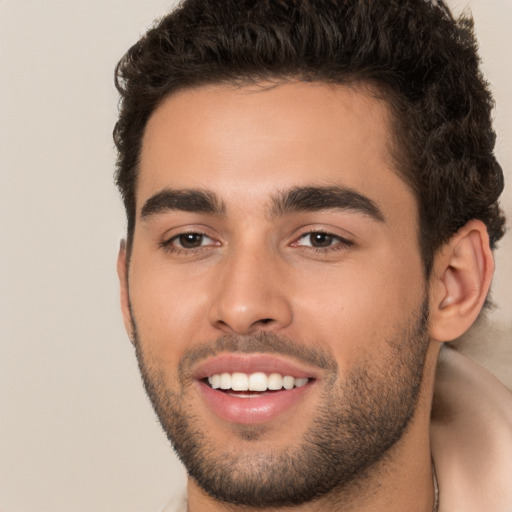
471	436
489	343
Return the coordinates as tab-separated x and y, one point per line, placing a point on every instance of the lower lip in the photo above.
252	410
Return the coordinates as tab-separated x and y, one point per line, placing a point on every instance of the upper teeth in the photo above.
258	381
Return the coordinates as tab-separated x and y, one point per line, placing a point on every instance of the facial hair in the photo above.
360	416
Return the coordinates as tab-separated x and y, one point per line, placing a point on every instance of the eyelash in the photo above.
340	243
168	245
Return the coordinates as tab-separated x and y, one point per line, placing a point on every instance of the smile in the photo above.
256	382
253	388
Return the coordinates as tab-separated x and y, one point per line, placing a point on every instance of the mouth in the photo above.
242	385
253	389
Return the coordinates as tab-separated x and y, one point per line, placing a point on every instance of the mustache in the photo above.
261	342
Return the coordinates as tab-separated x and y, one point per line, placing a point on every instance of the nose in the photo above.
250	294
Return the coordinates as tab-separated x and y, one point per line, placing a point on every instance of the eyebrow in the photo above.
297	199
188	200
303	199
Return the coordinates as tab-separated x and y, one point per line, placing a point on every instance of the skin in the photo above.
245	144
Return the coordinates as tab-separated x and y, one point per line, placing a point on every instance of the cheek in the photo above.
357	309
170	308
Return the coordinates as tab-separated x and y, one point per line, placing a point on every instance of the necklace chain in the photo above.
436	489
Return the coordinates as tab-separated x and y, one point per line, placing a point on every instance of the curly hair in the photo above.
420	59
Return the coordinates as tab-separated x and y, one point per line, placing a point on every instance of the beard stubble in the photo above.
359	418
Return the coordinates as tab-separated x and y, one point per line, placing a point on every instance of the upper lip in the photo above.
252	363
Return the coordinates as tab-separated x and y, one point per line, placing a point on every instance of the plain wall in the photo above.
76	430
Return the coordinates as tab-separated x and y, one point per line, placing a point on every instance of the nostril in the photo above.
265	321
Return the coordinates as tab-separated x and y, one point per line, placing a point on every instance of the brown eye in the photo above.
191	240
320	239
189	244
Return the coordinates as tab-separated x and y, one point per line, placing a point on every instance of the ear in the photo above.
460	281
122	272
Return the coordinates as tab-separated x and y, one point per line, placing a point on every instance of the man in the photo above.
311	196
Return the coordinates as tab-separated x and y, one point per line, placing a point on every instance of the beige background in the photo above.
76	431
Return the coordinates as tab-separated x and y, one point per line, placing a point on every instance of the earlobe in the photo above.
460	281
122	272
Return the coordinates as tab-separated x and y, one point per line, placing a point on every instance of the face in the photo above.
277	299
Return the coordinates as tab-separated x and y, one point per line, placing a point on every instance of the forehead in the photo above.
246	143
